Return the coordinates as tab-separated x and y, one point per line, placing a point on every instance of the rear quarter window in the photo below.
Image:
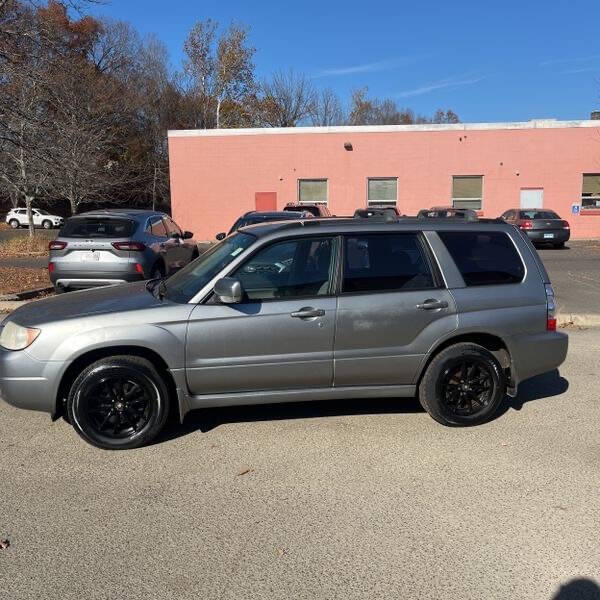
484	258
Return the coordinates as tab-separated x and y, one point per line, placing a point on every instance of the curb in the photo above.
26	295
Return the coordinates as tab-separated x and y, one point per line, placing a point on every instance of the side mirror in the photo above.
221	236
229	290
188	235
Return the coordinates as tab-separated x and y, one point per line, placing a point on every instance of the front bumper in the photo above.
29	383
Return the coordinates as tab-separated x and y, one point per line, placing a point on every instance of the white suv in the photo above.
17	217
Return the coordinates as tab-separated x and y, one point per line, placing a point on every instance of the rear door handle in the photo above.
432	304
308	312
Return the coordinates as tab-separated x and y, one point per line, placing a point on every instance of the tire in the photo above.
47	224
118	403
14	223
559	246
453	403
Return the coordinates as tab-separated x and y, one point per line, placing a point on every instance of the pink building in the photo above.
216	175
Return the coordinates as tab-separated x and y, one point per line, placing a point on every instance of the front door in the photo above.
391	309
281	336
532	198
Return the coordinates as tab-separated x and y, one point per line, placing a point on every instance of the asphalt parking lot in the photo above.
344	500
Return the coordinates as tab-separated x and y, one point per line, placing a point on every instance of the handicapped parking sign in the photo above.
575	209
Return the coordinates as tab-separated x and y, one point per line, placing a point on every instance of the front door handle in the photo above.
308	312
432	304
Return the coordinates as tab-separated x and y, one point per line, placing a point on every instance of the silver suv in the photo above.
105	247
457	312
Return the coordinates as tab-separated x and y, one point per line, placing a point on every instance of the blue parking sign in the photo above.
575	209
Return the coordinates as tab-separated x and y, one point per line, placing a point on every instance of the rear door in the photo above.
392	307
182	251
165	246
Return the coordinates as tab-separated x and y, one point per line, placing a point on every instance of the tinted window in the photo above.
95	227
289	269
158	228
538	214
385	262
484	258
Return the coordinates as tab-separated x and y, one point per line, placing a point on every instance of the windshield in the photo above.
185	284
538	214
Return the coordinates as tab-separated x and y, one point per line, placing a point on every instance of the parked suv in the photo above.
17	217
105	247
255	216
457	312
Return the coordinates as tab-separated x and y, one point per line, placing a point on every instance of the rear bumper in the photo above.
28	383
539	353
559	236
81	279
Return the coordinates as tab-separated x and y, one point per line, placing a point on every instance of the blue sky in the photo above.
488	61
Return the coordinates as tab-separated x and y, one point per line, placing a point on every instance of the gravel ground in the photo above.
346	500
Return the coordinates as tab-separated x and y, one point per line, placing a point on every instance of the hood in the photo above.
103	300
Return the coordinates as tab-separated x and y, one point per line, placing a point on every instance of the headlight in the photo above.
15	337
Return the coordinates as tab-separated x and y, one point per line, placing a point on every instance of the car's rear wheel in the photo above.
14	223
560	245
47	224
118	403
463	385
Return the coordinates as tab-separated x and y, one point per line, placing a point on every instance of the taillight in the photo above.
551	308
50	267
566	225
527	225
57	245
139	268
134	246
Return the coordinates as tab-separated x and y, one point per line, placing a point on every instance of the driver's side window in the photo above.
289	269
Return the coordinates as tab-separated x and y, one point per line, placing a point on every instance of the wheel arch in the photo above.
494	343
87	358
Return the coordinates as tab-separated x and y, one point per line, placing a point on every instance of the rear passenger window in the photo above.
488	258
158	228
378	262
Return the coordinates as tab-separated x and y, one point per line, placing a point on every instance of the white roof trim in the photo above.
533	124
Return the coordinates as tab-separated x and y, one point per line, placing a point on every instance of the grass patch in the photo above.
24	245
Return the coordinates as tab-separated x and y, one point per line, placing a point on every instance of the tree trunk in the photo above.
28	203
218	113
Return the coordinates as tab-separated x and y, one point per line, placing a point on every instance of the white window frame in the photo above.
381	202
467	199
595	199
320	202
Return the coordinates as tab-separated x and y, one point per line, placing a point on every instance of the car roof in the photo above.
133	213
270	214
336	225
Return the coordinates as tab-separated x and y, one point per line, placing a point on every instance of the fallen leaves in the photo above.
4	544
18	279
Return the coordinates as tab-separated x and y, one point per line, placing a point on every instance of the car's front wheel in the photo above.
47	224
463	385
14	223
118	403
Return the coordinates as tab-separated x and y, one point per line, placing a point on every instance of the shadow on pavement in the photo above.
543	386
578	589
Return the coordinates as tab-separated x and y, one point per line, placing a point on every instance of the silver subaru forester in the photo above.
457	312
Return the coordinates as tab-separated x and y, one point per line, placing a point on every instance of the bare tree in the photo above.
327	109
286	100
220	68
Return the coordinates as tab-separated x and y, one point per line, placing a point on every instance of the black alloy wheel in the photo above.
118	403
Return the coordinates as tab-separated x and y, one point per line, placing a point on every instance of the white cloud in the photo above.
382	65
442	83
564	61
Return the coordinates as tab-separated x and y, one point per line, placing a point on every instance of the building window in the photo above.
467	191
382	190
312	191
590	193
